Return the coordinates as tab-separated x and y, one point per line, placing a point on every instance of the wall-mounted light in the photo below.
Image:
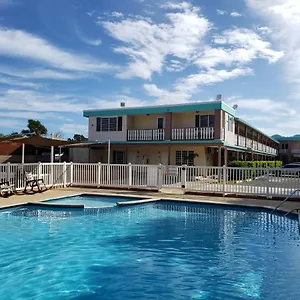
148	115
197	111
92	125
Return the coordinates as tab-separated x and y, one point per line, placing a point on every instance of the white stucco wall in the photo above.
107	135
229	135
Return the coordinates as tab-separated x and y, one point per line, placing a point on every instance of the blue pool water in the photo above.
154	251
93	200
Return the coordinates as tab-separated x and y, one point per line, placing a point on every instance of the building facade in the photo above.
289	148
199	133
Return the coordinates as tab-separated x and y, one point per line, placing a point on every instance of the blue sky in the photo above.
60	57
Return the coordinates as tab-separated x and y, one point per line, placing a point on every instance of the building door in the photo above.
160	127
118	157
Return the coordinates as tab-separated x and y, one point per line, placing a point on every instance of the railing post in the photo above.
159	176
183	176
65	174
224	179
39	170
99	174
8	172
130	174
268	184
71	172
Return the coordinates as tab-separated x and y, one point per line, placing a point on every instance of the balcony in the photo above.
283	151
295	151
203	133
146	135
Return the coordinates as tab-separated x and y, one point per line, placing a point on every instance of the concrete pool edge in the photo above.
21	200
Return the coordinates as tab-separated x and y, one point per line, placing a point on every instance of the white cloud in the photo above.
235	14
264	29
271	116
175	66
40	73
283	18
11	124
116	14
21	44
74	128
221	12
165	96
147	44
243	38
28	100
192	82
14	82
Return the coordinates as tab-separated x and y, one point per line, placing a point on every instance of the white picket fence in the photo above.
209	180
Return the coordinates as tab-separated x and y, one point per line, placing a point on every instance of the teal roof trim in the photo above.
249	149
184	107
287	138
246	123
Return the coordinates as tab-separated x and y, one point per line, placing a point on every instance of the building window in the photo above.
118	157
185	158
204	121
109	124
230	123
284	146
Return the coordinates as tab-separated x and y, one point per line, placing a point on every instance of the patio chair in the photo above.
31	182
6	189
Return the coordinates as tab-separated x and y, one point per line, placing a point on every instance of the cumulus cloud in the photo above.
235	14
282	17
164	96
221	12
147	44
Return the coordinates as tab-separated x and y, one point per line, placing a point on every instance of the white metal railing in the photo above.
295	151
194	133
146	135
263	182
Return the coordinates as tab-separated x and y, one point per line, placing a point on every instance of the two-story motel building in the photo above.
289	148
199	133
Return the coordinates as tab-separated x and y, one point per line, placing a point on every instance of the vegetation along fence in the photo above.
265	182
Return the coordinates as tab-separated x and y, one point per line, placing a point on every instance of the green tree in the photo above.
35	127
78	138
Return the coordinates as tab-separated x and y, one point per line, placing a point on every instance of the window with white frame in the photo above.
185	158
109	124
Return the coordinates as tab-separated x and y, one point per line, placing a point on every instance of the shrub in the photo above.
256	164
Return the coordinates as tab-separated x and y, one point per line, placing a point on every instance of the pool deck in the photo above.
64	192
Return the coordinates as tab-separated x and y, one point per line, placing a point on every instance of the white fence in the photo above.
211	180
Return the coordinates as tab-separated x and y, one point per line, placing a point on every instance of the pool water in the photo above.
93	200
154	251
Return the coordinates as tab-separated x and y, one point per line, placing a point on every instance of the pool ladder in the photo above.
286	199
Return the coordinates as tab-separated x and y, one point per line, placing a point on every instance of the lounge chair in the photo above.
32	182
6	189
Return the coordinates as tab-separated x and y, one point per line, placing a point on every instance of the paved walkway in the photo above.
57	193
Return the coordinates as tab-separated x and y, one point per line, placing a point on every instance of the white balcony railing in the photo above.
203	133
246	142
146	135
295	151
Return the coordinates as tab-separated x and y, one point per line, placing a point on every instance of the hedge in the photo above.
256	164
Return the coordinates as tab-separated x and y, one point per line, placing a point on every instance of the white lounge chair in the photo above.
6	189
31	181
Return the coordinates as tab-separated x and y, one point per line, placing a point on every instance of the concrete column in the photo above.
168	126
225	157
218	124
219	156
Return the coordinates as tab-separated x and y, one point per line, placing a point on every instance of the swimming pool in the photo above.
161	250
89	200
